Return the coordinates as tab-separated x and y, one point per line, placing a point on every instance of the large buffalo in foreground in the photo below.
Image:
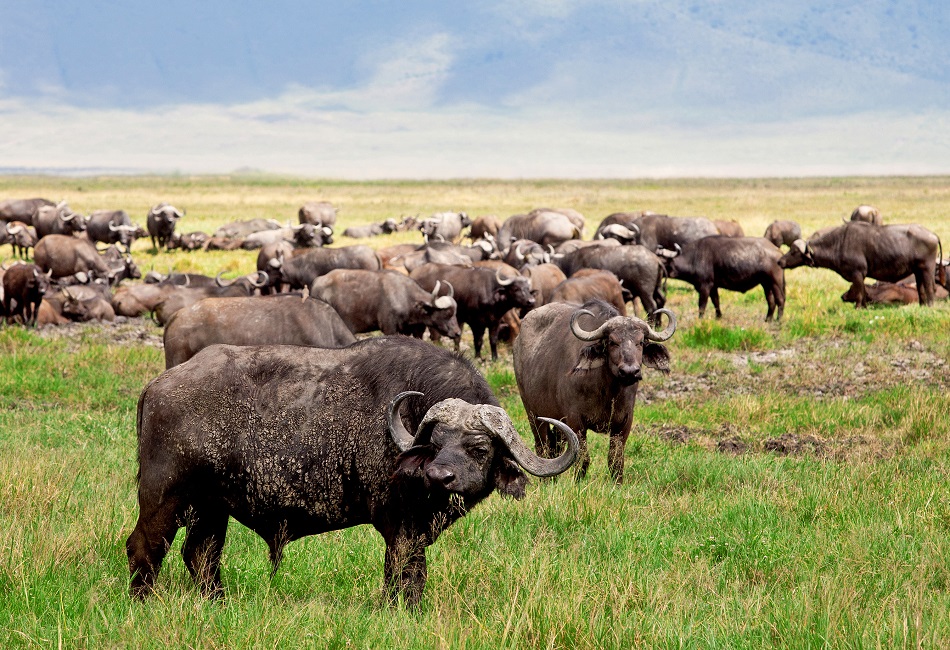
733	263
858	250
582	366
286	319
310	440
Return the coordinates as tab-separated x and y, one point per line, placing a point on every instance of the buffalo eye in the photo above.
479	448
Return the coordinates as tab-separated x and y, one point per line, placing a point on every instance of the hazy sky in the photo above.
569	88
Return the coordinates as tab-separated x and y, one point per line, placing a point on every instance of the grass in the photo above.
830	528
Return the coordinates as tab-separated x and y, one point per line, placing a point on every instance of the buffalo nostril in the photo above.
442	475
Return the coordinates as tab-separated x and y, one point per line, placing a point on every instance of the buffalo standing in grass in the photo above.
783	232
24	286
160	223
386	301
733	263
309	440
111	227
858	250
586	377
22	209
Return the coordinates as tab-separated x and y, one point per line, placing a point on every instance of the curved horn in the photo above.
68	217
593	335
397	429
113	227
495	420
13	230
451	293
262	279
501	279
653	335
435	289
49	274
518	253
218	281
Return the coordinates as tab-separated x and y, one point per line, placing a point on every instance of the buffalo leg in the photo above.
478	333
619	432
148	544
770	301
493	340
703	299
714	294
405	569
925	287
583	454
201	551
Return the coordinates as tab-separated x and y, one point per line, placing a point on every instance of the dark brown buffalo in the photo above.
620	226
387	301
663	231
295	441
111	227
301	270
22	209
160	223
640	270
241	229
859	250
867	214
84	303
189	241
446	226
733	263
582	366
24	286
591	284
57	220
385	227
483	296
525	252
783	232
288	319
318	213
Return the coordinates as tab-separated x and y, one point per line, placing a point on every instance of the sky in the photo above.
510	89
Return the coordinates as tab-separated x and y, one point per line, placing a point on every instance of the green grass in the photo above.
841	541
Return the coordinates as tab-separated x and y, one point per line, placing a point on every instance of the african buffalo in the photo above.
483	295
22	209
542	226
294	441
663	231
484	225
111	227
592	284
729	228
858	250
783	232
867	214
241	229
65	255
385	227
544	278
733	263
160	223
386	301
640	270
318	213
620	225
20	236
24	286
587	378
288	319
57	220
301	270
445	225
186	296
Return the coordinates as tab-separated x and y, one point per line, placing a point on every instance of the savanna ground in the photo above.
786	485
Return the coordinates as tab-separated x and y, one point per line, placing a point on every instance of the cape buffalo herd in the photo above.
278	409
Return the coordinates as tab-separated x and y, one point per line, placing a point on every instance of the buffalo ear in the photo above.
656	356
591	356
510	481
412	463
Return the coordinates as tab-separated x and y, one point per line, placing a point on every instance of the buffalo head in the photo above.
471	449
798	254
624	344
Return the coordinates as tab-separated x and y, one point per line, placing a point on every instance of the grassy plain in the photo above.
787	485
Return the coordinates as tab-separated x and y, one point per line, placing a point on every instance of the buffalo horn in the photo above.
397	429
800	245
435	289
262	279
68	217
495	420
518	253
451	293
13	230
502	280
593	335
653	335
113	227
49	274
218	281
